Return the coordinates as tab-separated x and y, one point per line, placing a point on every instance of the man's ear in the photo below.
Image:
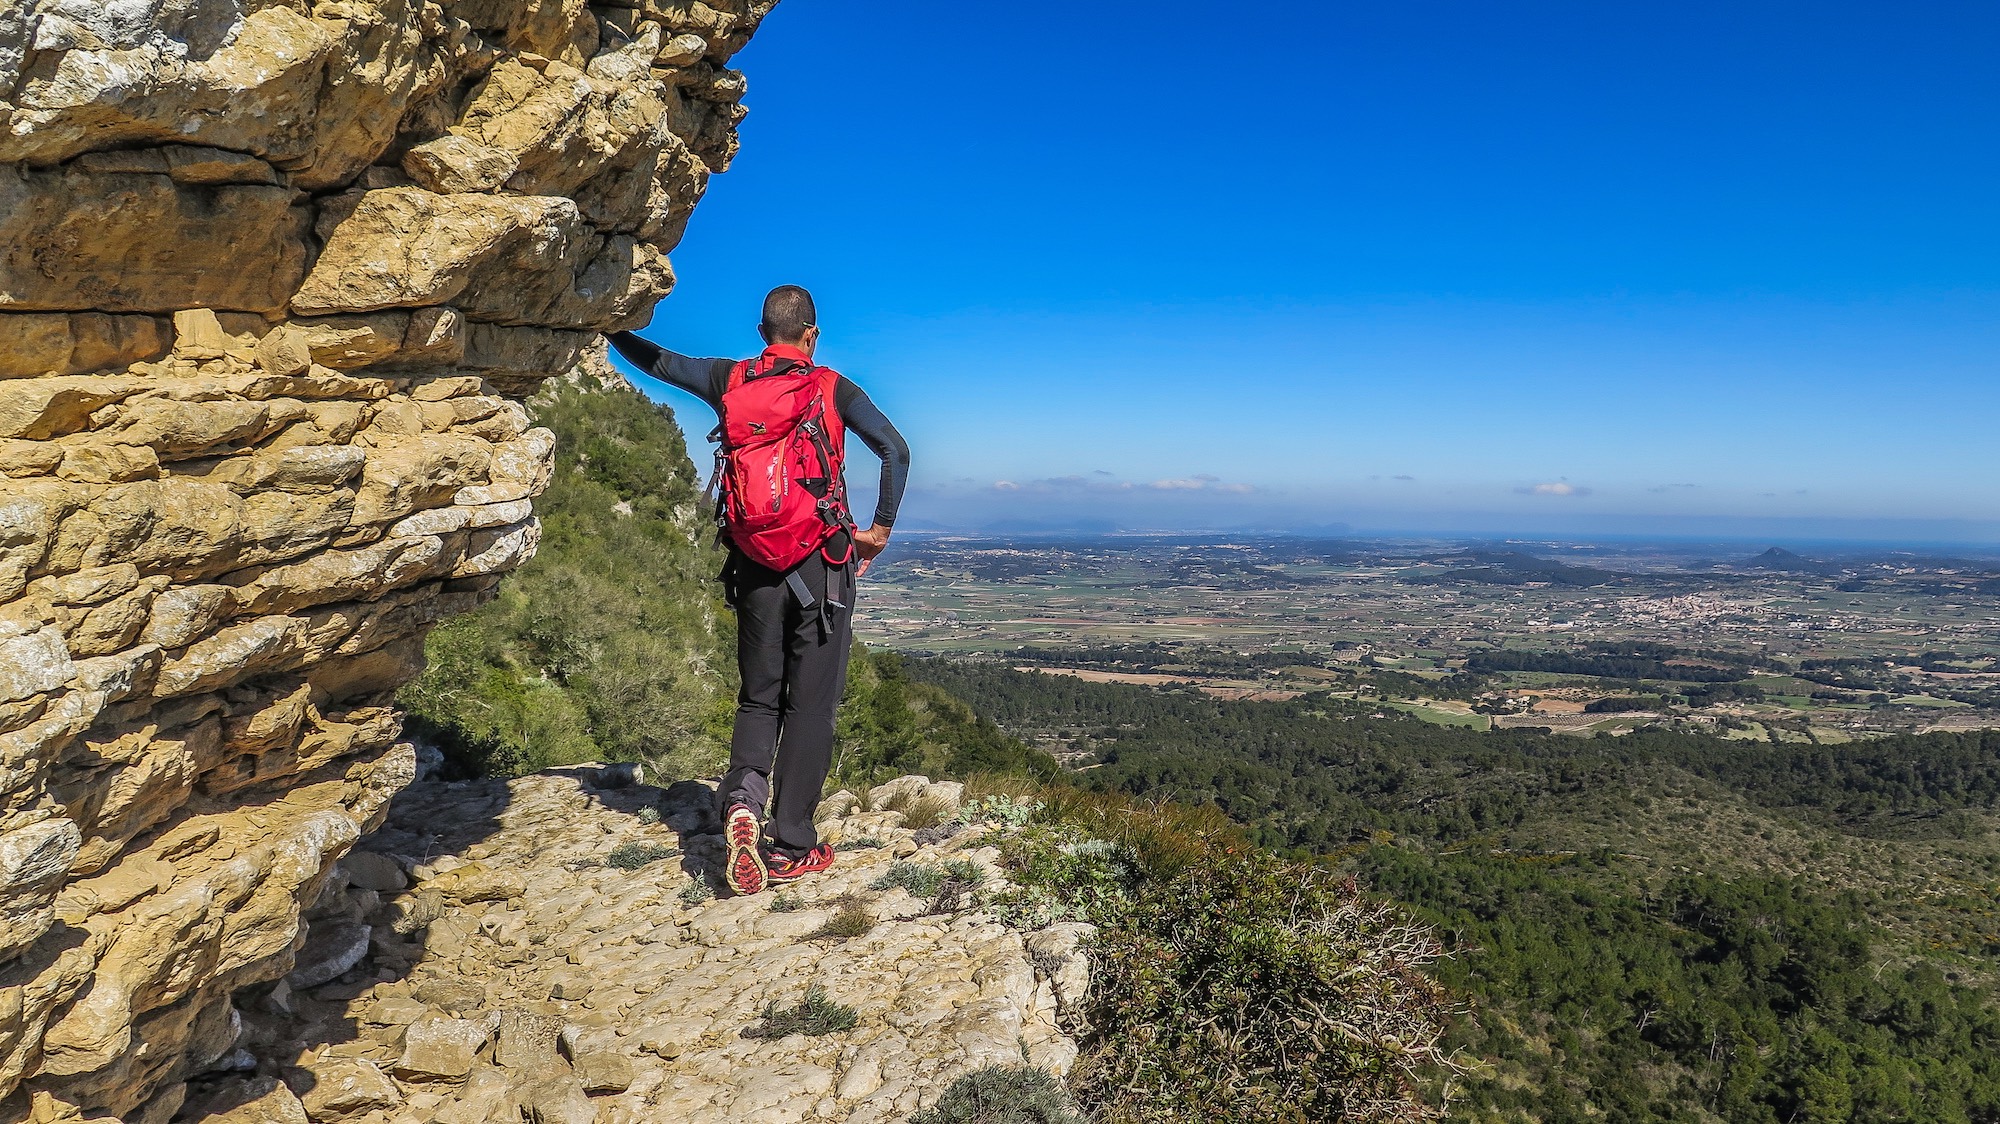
763	332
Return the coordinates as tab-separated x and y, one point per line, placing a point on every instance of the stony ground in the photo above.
486	957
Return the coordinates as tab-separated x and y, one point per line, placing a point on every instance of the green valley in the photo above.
1662	926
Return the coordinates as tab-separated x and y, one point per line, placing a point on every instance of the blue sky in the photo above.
1685	268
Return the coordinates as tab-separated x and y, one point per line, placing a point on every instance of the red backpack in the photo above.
778	464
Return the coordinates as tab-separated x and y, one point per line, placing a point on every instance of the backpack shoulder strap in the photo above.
738	374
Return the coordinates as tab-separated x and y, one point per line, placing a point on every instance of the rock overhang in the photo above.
274	278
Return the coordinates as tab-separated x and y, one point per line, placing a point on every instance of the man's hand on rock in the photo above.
868	544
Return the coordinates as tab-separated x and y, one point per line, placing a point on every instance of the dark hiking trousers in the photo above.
794	664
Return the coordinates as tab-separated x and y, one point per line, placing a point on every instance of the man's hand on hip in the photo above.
868	544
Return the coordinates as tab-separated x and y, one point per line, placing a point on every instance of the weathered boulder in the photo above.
338	1087
439	1047
274	278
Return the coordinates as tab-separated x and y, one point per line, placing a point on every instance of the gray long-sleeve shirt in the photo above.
707	378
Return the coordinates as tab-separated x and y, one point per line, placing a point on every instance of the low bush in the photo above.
1001	808
924	879
1003	1094
696	891
632	856
815	1015
1230	986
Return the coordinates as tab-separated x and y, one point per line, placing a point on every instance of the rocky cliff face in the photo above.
273	277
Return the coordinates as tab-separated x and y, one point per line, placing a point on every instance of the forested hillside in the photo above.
610	645
1654	927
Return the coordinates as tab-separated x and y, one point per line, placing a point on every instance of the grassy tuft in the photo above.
632	856
697	891
783	902
1165	839
1010	787
1003	1094
927	811
852	920
815	1015
859	843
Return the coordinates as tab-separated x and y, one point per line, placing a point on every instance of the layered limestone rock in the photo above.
273	277
549	949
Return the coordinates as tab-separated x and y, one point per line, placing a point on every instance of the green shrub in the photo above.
1259	990
815	1015
1230	986
920	879
859	843
632	856
782	902
1062	874
696	891
1002	809
923	879
1002	1094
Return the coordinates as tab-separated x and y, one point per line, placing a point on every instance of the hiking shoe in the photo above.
745	868
784	868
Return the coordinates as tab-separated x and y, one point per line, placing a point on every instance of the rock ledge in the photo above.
511	972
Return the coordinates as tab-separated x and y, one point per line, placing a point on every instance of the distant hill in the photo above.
1784	561
1511	567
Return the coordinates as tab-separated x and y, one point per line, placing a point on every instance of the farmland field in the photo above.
1819	648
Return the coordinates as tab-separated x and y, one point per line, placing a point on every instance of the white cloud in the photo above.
1554	488
1100	482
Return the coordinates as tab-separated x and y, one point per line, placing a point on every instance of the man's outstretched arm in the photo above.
702	378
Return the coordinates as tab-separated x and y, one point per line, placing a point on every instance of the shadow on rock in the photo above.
379	1013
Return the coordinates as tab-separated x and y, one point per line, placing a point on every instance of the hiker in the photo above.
794	557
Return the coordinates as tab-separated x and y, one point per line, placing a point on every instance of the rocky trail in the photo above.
548	949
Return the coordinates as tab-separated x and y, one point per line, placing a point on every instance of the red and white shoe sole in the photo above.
745	869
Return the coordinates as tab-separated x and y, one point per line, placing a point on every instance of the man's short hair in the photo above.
788	312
